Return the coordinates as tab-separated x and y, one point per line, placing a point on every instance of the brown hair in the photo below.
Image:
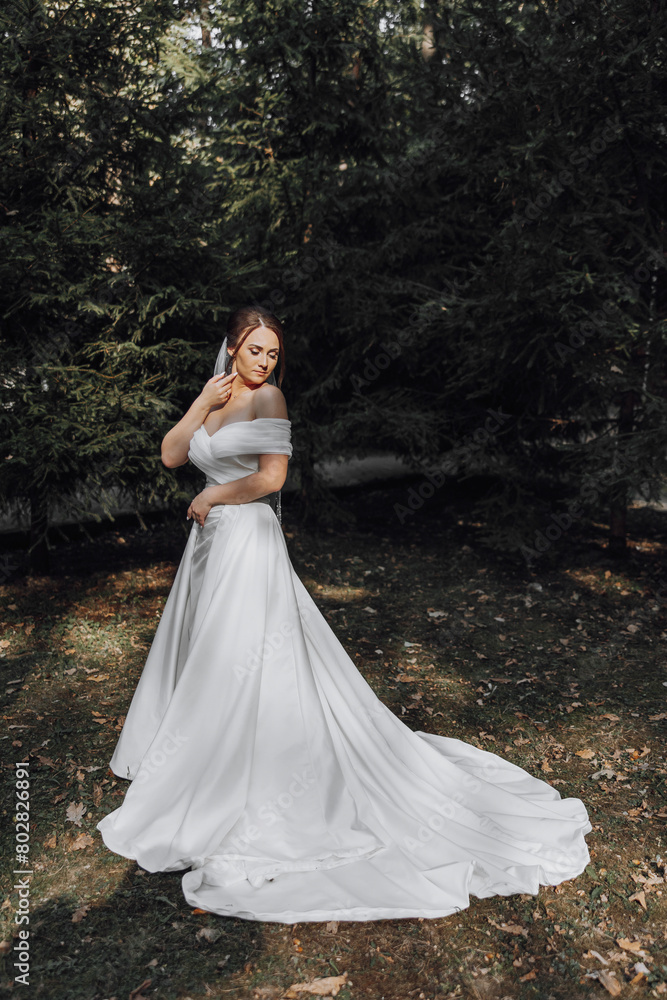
242	321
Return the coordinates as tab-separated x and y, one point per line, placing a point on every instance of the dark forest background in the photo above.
456	209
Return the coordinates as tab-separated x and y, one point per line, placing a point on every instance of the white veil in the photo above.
223	362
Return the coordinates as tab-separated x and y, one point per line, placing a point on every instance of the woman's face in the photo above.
257	356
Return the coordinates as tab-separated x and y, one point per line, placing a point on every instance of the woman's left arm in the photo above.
270	475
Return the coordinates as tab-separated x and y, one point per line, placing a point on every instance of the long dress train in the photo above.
262	760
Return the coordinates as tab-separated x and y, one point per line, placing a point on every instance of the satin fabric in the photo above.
261	759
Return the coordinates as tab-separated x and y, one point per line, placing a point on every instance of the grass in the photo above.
559	668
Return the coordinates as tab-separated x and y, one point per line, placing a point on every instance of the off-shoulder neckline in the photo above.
232	423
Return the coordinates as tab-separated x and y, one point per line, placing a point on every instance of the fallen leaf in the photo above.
529	975
332	926
97	794
657	718
83	840
627	945
510	928
545	766
327	987
151	964
586	754
640	897
197	910
209	934
136	994
50	841
609	981
596	955
74	812
80	913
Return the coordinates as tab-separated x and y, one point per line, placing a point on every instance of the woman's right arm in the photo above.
176	442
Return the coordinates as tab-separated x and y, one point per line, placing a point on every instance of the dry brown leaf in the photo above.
50	841
627	945
80	913
596	955
136	994
545	765
197	910
640	897
332	926
75	811
46	761
609	981
529	975
209	934
327	987
83	840
657	718
97	794
586	754
510	928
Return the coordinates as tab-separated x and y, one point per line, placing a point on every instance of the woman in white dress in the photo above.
259	757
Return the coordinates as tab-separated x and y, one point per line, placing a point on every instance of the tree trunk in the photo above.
618	511
38	552
205	18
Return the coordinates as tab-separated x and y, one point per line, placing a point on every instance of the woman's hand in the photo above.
217	390
200	506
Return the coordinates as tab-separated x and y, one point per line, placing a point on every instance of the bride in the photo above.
259	757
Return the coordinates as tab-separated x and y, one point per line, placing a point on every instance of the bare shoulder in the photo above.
270	402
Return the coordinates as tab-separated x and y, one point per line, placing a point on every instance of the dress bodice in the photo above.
233	450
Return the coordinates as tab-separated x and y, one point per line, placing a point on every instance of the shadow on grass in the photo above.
141	931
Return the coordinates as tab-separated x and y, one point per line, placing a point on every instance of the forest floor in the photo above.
560	668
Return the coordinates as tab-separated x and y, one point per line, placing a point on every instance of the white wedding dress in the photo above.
263	761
